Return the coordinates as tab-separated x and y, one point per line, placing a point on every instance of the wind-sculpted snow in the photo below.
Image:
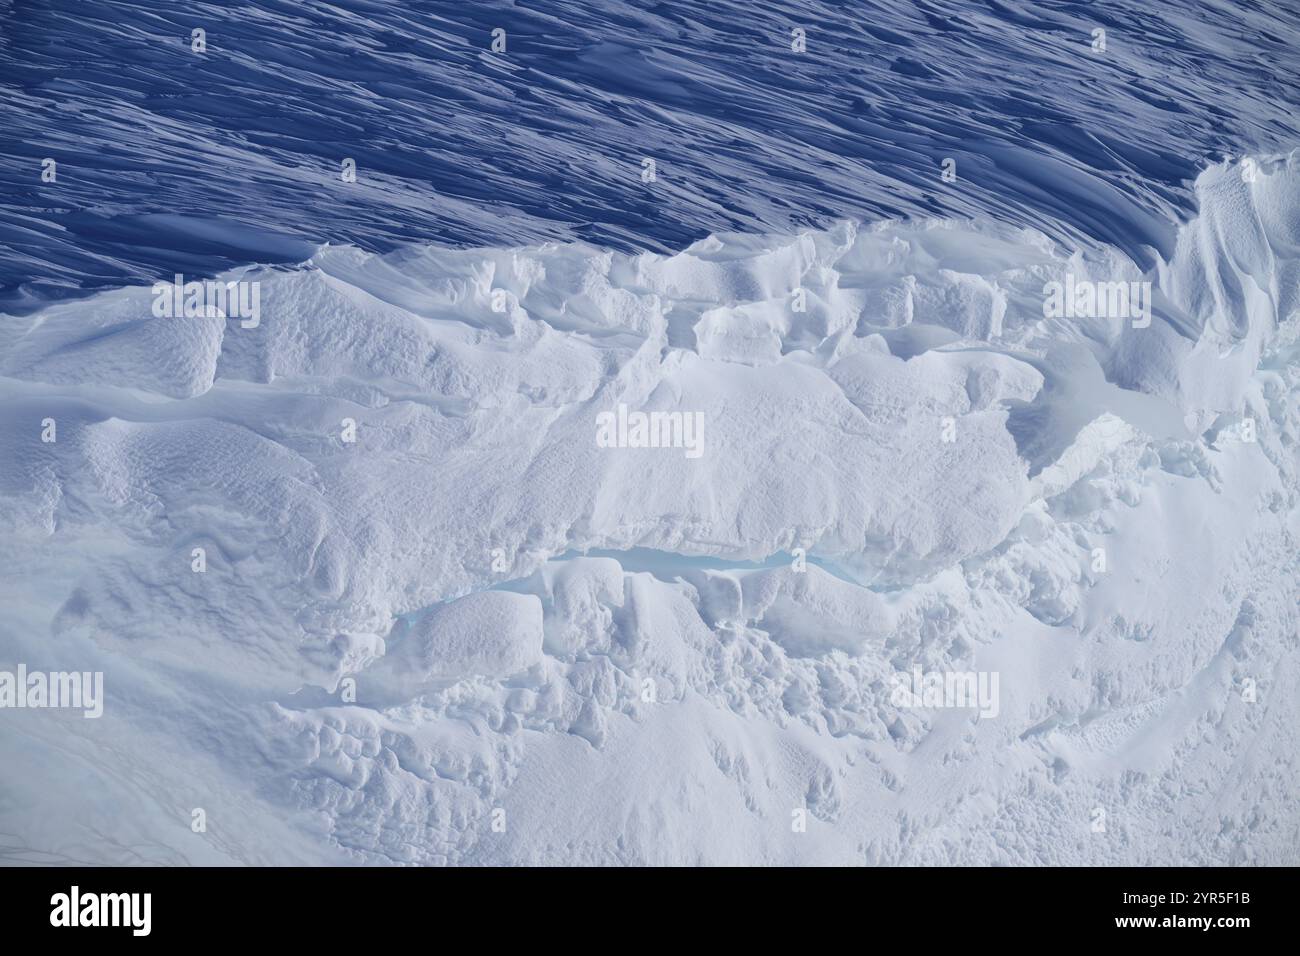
176	161
433	599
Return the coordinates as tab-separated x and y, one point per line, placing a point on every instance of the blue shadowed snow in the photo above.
175	161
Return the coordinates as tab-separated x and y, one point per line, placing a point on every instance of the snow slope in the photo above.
620	648
174	160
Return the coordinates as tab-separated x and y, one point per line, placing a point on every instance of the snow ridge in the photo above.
635	656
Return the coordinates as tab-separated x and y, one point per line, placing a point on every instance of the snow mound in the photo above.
394	481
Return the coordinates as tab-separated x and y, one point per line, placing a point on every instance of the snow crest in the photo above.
432	602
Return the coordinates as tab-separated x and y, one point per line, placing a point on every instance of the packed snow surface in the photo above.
439	622
520	508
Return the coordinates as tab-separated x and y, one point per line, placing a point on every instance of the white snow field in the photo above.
476	636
